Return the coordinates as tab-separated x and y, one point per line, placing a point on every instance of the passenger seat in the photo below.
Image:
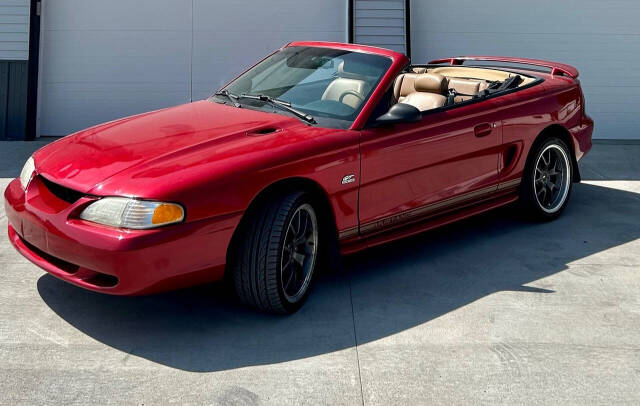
404	86
348	88
468	89
430	92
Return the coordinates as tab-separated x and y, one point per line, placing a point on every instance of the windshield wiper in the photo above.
232	97
280	103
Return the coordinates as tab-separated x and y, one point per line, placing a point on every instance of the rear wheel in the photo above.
277	255
547	180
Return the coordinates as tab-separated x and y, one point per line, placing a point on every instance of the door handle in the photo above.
484	129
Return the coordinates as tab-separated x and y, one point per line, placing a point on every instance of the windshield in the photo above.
330	85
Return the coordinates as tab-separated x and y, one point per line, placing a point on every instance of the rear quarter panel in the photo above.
527	113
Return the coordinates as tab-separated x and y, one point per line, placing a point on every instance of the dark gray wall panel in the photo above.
4	94
17	100
380	23
13	99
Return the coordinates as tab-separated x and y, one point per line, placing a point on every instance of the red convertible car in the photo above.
319	149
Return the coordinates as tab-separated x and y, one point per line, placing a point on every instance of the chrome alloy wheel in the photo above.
299	251
552	178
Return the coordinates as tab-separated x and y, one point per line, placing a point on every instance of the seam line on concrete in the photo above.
612	141
355	339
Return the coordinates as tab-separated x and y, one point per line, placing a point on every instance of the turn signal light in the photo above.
167	213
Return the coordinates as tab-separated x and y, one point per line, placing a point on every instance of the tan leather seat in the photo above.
467	88
348	88
430	92
404	85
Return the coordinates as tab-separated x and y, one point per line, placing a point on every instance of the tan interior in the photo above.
347	88
468	88
404	85
426	89
429	92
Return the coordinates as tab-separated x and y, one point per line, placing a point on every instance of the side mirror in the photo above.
400	113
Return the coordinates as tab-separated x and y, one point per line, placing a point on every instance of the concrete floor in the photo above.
491	310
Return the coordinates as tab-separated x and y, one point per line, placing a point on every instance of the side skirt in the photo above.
428	217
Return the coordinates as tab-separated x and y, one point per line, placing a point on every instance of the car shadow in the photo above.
392	288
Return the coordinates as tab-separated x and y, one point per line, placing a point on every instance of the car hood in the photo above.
163	140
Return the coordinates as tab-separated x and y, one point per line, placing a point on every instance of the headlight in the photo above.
130	213
27	171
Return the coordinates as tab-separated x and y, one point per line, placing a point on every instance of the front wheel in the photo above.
547	180
277	255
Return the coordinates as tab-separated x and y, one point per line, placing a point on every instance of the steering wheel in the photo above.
352	93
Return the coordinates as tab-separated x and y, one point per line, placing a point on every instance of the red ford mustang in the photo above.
319	149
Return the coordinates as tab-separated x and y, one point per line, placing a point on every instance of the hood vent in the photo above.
263	131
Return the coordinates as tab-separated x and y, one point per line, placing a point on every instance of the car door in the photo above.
412	170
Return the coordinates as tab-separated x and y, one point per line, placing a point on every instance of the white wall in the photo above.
108	59
600	38
14	30
380	23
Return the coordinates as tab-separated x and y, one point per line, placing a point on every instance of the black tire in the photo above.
538	204
260	249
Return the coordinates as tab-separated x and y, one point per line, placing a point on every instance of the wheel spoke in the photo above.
299	258
554	170
302	231
545	161
543	192
289	279
299	217
287	264
550	185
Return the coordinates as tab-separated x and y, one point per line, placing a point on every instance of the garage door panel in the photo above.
107	56
114	15
85	76
600	38
85	103
216	61
274	15
228	40
104	60
507	16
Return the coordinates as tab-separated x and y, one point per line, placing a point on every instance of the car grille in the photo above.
57	262
63	193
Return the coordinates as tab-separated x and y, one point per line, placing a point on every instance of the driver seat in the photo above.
347	88
430	92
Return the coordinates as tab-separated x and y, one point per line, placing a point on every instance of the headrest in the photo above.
431	83
419	70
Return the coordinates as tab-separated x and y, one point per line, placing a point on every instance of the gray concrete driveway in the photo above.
490	310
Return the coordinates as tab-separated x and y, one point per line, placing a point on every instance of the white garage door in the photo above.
600	38
108	59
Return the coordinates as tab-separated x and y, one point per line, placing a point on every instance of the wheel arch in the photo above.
321	202
557	130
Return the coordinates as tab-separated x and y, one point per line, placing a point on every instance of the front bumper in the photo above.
47	231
